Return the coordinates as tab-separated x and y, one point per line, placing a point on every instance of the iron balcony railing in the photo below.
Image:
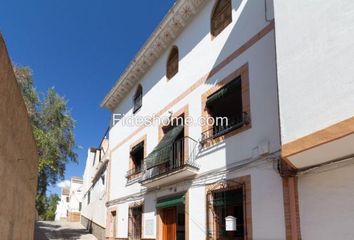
135	171
183	153
221	129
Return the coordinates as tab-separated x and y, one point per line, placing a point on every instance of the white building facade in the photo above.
75	199
61	212
94	211
315	54
206	60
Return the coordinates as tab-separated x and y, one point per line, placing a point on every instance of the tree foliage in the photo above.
49	207
53	129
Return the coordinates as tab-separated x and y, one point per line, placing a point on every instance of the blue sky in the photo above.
80	47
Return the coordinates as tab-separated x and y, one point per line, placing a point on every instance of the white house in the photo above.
94	211
315	56
280	164
75	199
61	212
205	61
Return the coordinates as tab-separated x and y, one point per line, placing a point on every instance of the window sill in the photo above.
134	178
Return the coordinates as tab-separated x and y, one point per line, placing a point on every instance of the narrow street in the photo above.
61	230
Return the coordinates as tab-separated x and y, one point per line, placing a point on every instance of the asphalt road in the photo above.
61	231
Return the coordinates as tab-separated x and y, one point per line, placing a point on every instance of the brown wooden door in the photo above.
169	224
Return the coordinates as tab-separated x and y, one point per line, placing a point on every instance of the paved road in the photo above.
61	231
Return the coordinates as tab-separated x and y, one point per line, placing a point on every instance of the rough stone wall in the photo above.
18	158
96	230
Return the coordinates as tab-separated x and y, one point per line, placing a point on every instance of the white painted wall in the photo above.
198	55
326	200
266	200
62	208
315	55
96	210
75	196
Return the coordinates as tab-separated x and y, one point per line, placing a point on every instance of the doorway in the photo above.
173	223
135	223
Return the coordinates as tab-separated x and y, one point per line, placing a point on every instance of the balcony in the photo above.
171	163
135	172
232	124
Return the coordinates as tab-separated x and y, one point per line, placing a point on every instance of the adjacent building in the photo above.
62	211
18	158
188	176
70	203
94	211
75	199
315	56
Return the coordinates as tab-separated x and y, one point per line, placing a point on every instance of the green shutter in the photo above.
163	151
170	202
229	88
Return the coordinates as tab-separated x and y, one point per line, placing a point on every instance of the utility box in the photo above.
230	223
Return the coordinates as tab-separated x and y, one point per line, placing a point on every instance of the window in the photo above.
137	159
228	104
221	16
228	203
80	206
225	106
67	199
138	99
135	223
172	63
169	153
88	197
229	198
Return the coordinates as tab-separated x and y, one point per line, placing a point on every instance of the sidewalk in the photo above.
61	231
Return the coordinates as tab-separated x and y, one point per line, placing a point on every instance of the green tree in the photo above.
53	129
50	206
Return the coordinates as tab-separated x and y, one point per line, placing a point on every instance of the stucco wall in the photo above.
266	201
315	55
95	211
199	54
75	196
62	208
326	203
18	158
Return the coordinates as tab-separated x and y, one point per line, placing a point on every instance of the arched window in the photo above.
138	98
172	63
221	16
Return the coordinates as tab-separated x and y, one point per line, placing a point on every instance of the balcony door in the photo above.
169	224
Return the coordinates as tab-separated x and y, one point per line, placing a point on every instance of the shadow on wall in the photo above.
239	34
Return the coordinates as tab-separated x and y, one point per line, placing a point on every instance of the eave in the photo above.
167	31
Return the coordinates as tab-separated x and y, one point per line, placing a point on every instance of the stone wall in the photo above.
18	158
95	229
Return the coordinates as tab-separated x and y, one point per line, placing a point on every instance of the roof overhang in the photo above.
327	145
168	30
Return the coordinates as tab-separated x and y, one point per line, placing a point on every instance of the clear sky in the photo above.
80	47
